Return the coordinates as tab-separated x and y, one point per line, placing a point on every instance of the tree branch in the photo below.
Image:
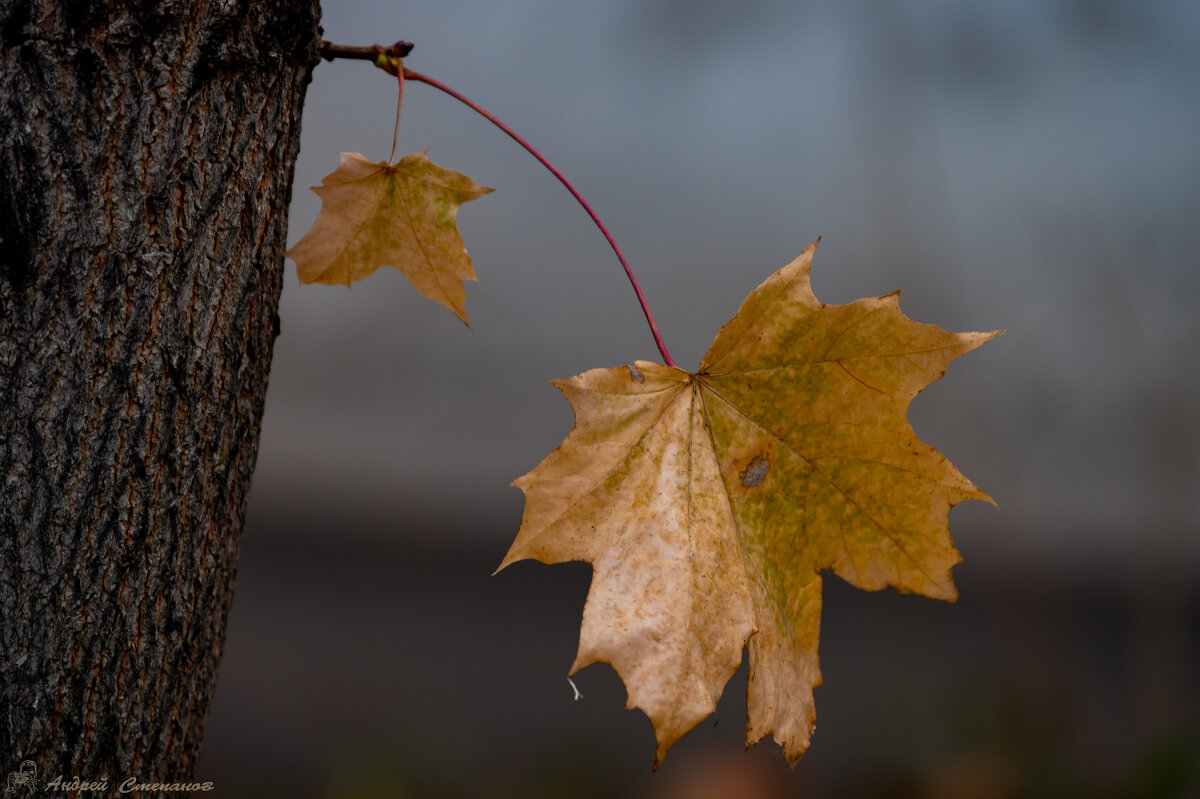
330	51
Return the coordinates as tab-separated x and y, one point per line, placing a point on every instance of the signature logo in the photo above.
24	777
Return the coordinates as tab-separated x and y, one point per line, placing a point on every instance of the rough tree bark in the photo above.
146	154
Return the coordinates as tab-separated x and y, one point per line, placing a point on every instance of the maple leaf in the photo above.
708	503
380	214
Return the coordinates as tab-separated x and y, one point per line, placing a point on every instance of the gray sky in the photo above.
1027	165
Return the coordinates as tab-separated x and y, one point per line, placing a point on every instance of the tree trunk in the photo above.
146	154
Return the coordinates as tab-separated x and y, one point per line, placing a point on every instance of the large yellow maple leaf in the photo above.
377	214
708	503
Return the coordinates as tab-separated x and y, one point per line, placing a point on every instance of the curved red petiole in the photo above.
417	76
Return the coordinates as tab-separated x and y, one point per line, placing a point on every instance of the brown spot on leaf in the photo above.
755	473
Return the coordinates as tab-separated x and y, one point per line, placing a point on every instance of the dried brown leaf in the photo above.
401	215
709	503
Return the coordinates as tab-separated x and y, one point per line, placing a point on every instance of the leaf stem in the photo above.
662	347
399	102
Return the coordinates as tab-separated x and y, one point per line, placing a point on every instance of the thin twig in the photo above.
330	51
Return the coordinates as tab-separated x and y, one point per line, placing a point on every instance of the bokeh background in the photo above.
1031	165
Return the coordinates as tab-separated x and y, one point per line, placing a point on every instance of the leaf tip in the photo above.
565	383
976	340
660	752
510	557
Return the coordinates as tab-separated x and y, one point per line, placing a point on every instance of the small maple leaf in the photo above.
401	215
708	503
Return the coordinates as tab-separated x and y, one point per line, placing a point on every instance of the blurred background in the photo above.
1031	165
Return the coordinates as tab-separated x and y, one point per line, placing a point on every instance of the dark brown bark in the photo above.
146	153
